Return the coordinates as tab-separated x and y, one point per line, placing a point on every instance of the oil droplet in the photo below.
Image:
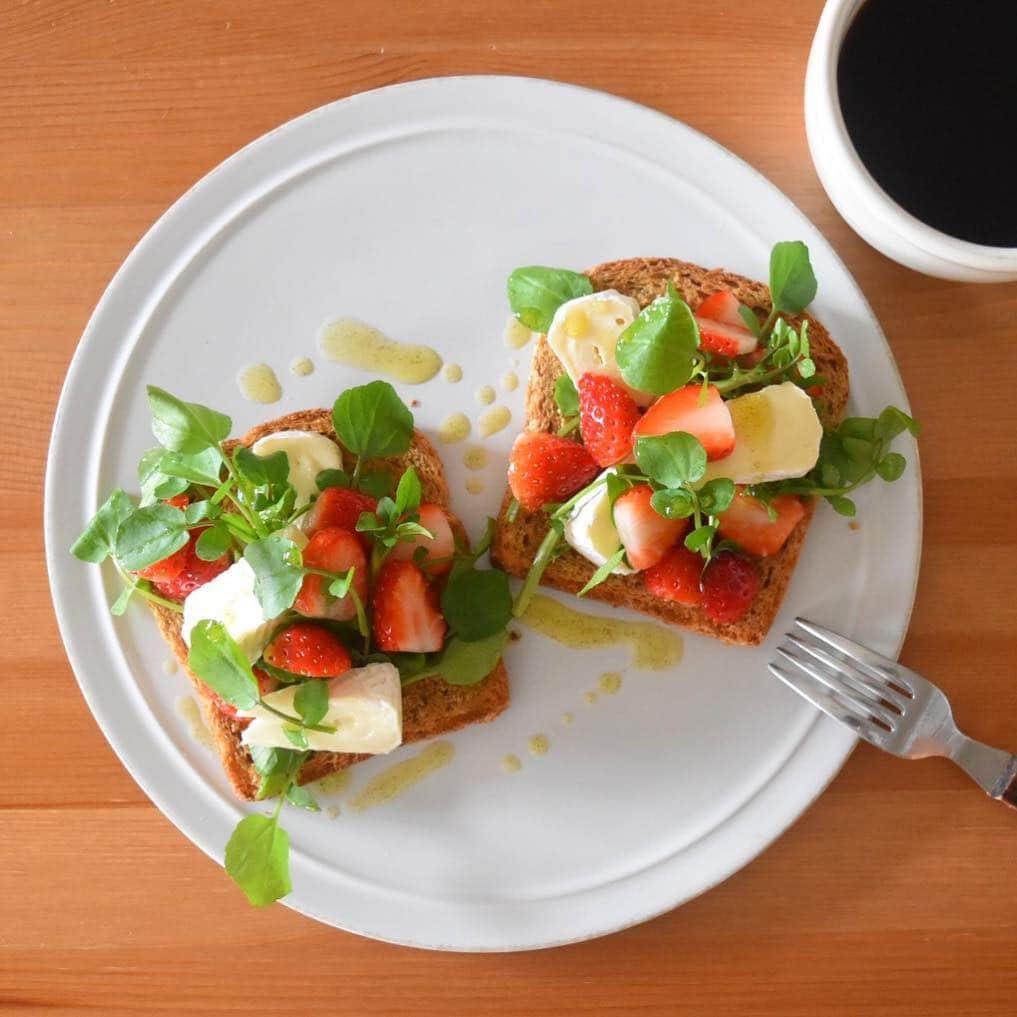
485	395
335	783
538	744
567	718
169	665
190	711
517	335
475	485
610	683
511	764
356	344
332	812
452	373
493	421
455	427
509	381
653	648
589	698
402	776
301	366
475	457
259	384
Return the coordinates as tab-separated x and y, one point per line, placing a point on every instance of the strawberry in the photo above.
676	577
308	649
546	468
169	568
339	506
748	524
405	614
333	550
607	414
681	411
730	584
721	329
441	545
646	535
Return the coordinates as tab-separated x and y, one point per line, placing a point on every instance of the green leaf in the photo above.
751	321
119	605
617	485
302	798
892	422
262	471
658	351
407	497
701	537
219	662
858	427
371	420
170	487
566	395
716	496
603	572
150	474
341	586
891	466
857	449
185	427
277	768
203	467
792	281
466	663
332	478
149	535
258	859
196	511
477	604
97	540
213	543
296	735
671	459
535	293
843	506
673	503
311	701
278	572
376	483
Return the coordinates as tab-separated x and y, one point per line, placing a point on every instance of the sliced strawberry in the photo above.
266	683
681	411
730	584
646	535
308	649
748	524
607	414
405	613
545	468
677	576
441	545
339	506
721	329
332	550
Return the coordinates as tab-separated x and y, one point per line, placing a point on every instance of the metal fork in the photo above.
887	704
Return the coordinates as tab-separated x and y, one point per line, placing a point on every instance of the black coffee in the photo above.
928	89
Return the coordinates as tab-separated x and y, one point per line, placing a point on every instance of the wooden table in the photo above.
895	894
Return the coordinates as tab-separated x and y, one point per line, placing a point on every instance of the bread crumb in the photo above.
414	402
854	525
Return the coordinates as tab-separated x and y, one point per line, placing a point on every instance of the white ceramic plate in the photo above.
408	207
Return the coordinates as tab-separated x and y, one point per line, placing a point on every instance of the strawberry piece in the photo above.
607	414
730	584
332	550
646	535
308	649
339	506
546	468
681	411
748	524
405	613
721	329
169	568
441	545
677	576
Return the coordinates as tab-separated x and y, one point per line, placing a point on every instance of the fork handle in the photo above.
994	770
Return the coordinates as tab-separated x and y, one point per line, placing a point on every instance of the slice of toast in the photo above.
516	543
430	707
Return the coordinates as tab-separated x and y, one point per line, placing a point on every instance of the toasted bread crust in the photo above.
430	707
516	542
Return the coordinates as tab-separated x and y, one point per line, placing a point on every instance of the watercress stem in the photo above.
322	728
540	562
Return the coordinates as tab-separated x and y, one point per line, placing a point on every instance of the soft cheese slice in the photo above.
308	452
777	435
365	706
591	531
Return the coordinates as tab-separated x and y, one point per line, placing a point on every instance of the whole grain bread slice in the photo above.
516	542
430	707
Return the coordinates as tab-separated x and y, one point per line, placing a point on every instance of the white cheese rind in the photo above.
591	531
308	453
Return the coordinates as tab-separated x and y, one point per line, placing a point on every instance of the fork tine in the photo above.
879	667
863	701
831	705
853	676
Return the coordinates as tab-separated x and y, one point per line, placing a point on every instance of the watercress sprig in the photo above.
536	292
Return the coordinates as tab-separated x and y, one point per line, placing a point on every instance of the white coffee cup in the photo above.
868	209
